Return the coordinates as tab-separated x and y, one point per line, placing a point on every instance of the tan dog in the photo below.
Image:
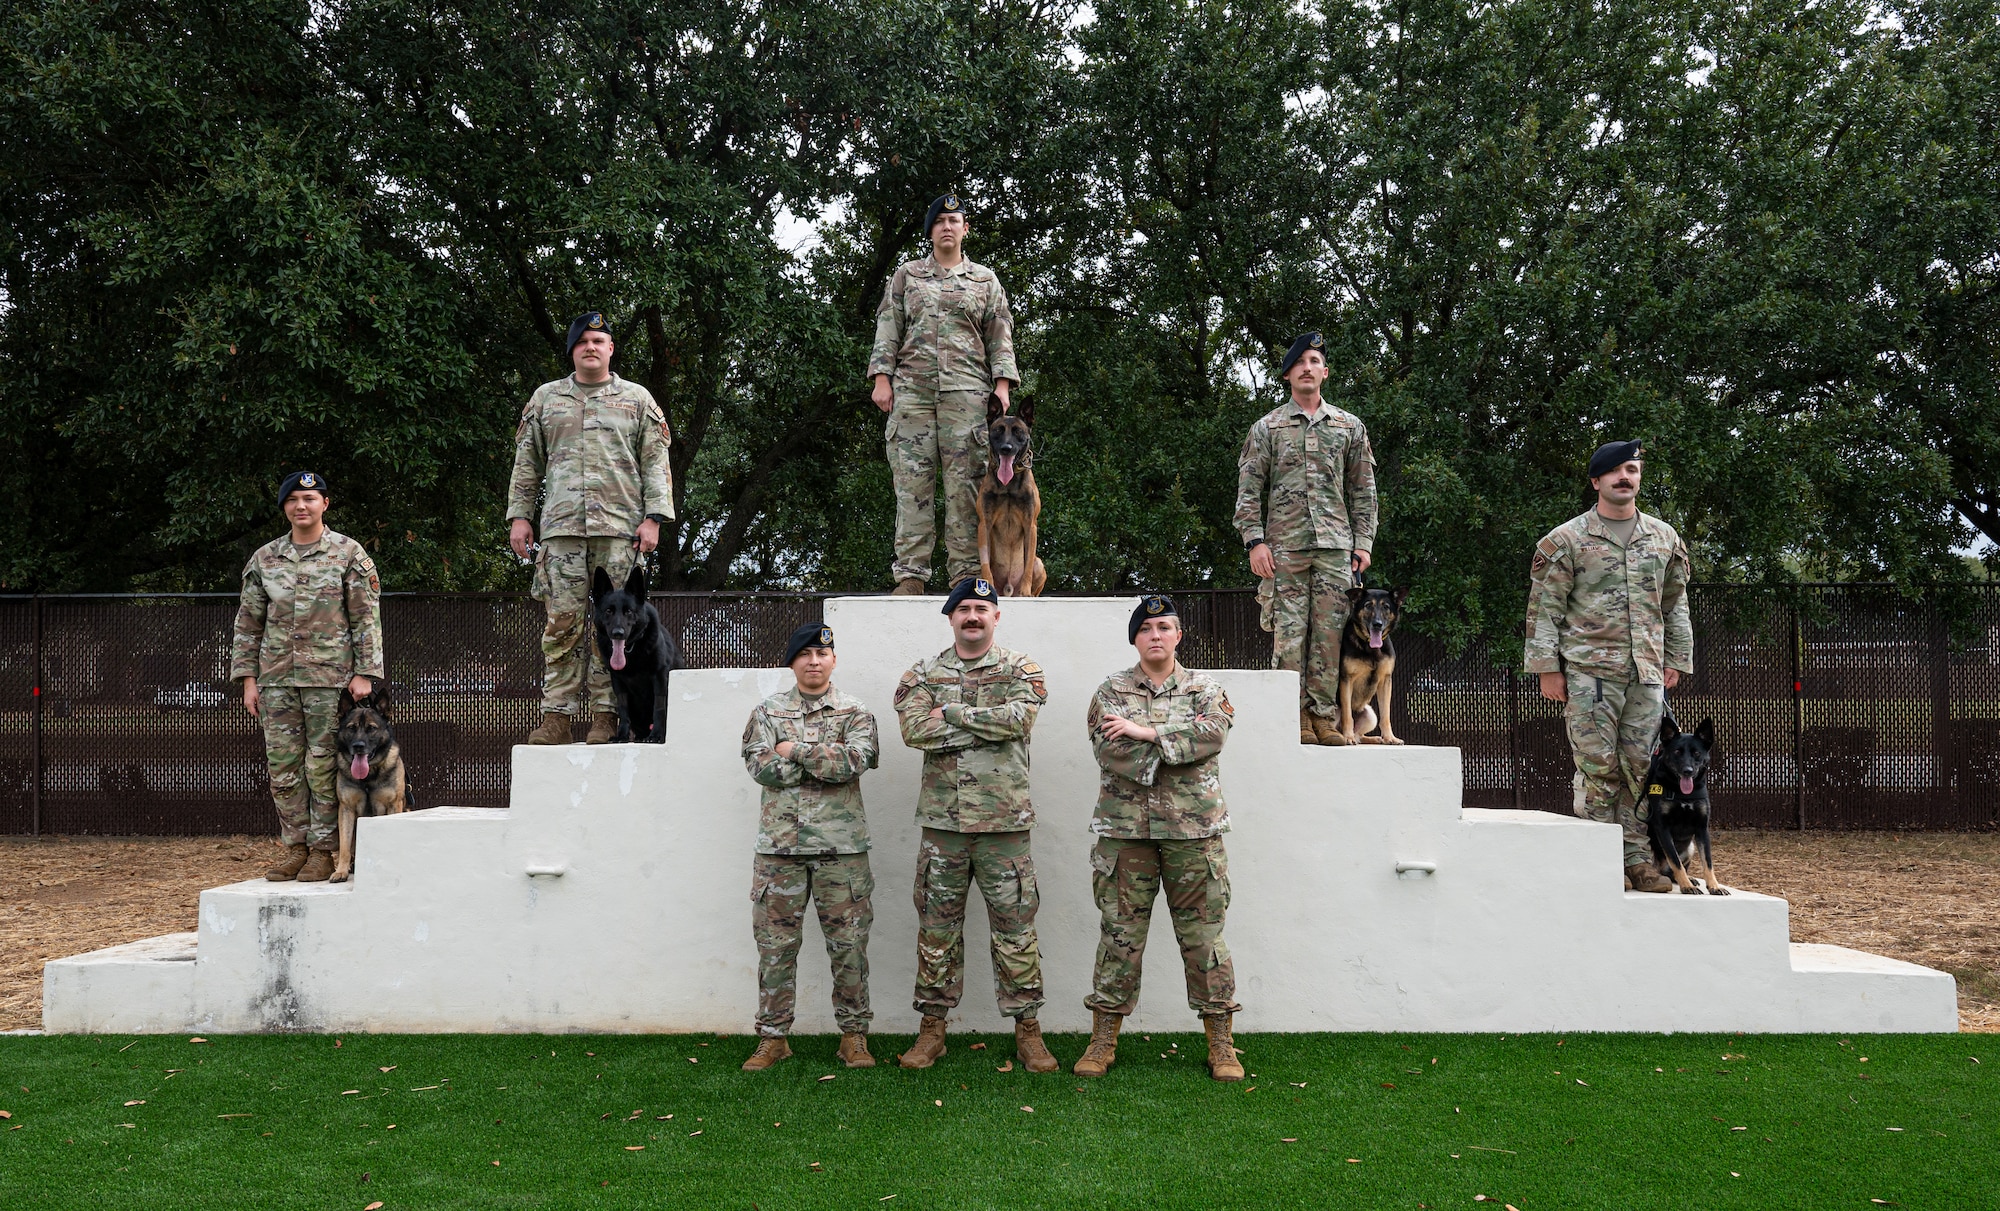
1368	664
1009	505
369	780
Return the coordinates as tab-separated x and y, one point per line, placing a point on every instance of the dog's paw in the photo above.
1717	889
339	876
1392	740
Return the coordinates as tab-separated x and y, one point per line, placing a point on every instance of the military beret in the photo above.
1612	455
589	321
1152	605
1301	343
970	589
301	479
948	204
810	635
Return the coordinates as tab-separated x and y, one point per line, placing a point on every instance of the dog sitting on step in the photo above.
369	780
1677	806
1009	505
636	646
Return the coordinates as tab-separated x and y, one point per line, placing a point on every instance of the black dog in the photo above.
636	647
370	780
1368	664
1677	805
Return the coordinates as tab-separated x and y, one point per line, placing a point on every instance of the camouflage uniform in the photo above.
1160	815
812	844
1611	618
944	336
597	455
1306	486
975	812
310	620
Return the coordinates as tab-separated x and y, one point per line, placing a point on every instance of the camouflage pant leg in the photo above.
1612	726
1308	612
840	887
947	866
961	441
1125	878
562	583
299	725
911	436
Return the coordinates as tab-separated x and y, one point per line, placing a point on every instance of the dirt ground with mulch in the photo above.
1930	898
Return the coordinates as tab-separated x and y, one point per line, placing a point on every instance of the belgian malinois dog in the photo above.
1677	806
635	645
1009	505
370	779
1368	663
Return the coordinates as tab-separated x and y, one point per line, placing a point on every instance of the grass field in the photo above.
1417	1121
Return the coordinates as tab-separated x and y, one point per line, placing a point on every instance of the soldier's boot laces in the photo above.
929	1045
319	864
1222	1062
286	868
854	1051
603	726
769	1051
1103	1049
1328	730
1308	734
554	730
1028	1044
1644	876
908	586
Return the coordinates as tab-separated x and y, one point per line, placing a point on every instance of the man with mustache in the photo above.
970	709
594	447
1609	635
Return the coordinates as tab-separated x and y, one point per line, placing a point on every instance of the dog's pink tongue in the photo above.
1374	641
358	768
618	653
1006	471
1687	784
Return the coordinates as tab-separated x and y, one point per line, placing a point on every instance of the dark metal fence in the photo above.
1836	706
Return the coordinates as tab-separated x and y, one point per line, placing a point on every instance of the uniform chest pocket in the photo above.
612	416
944	691
920	299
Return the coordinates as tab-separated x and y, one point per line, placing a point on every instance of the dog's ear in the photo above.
1668	728
993	408
1705	732
1355	596
1399	594
381	697
635	582
1025	409
600	584
345	704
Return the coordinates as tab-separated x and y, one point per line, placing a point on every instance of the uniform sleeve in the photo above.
998	333
530	461
760	756
1253	466
914	701
364	616
843	760
1363	509
888	327
1135	760
249	635
1012	719
1674	605
1199	738
656	472
1549	581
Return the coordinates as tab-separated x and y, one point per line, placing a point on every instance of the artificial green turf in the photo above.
1538	1122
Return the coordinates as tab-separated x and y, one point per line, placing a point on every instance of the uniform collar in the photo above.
938	271
310	549
1140	681
799	702
992	656
1323	412
1593	523
582	389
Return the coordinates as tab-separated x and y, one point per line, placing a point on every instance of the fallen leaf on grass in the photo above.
1585	1084
1388	1084
1251	1089
885	1198
138	1102
496	1164
392	1068
1029	1109
345	1092
1006	1067
1298	1084
1290	1139
937	1101
974	1047
827	1077
197	1040
1353	1160
692	1060
390	1127
661	1118
374	1206
421	1088
134	1126
1739	1128
635	1147
6	1114
692	1134
1746	1128
244	1115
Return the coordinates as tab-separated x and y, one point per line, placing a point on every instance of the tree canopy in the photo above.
252	235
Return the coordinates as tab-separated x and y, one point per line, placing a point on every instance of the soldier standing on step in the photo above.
594	447
309	625
1609	635
944	342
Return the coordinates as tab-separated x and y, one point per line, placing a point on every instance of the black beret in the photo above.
301	479
1152	605
809	635
589	321
1612	455
972	588
1301	343
948	204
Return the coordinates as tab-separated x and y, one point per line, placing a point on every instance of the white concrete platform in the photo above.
613	894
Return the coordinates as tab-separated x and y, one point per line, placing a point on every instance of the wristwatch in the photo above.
658	518
1253	544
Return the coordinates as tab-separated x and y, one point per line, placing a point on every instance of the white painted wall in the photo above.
1524	925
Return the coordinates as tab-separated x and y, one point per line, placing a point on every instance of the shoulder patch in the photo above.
1030	669
1228	708
904	684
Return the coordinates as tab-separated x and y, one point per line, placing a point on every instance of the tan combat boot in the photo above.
1029	1046
286	868
319	864
1222	1062
1307	733
929	1045
854	1051
769	1051
908	586
1328	730
603	726
1644	877
1103	1049
554	730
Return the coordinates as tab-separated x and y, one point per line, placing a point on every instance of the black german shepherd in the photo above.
1677	805
1368	663
636	647
370	780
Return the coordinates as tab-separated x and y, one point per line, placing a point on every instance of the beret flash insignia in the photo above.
951	201
826	636
308	480
597	321
1154	605
981	589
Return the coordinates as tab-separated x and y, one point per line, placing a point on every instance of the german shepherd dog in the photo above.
1368	663
1677	805
635	646
370	780
1009	505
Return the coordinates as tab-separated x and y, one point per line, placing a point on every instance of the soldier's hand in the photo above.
1361	562
1004	389
649	536
937	712
783	748
519	534
1555	687
884	395
250	696
1672	677
1114	727
360	686
1260	561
